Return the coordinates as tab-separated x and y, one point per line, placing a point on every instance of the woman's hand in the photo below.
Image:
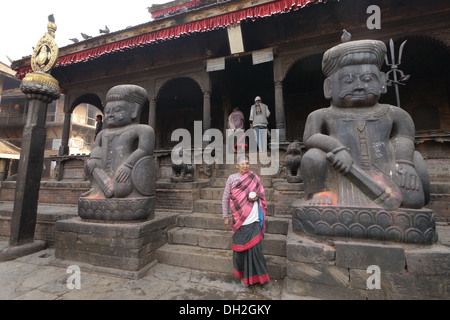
226	222
252	197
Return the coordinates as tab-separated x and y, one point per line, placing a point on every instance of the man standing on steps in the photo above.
259	113
245	195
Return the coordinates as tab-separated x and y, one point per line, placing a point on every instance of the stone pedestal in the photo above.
124	249
402	225
343	269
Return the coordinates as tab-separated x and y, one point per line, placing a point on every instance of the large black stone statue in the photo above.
362	175
121	165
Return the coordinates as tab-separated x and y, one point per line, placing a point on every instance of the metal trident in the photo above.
394	70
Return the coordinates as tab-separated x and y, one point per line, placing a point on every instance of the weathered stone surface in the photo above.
124	246
305	288
390	258
429	261
318	273
303	249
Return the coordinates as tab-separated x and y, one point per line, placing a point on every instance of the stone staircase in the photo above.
200	241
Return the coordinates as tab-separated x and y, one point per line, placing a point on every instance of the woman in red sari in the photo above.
244	194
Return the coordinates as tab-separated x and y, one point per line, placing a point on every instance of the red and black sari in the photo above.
248	259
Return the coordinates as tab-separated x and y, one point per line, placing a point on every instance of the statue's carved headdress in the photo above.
353	53
127	92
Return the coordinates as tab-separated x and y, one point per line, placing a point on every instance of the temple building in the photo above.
199	59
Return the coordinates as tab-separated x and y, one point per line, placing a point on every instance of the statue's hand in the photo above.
123	173
407	177
342	161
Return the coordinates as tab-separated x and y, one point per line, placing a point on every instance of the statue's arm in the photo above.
316	136
146	144
402	135
316	133
95	157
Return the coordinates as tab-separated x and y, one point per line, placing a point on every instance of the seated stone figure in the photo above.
361	152
121	162
362	176
293	159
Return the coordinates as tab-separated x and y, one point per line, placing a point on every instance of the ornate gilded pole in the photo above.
41	89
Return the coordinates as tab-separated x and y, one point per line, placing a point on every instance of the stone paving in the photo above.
40	276
35	277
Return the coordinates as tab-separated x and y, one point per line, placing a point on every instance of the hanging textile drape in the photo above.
208	24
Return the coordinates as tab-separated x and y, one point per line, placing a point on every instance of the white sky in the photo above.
23	22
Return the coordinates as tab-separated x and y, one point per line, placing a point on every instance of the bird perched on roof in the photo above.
85	36
51	18
346	36
75	40
106	30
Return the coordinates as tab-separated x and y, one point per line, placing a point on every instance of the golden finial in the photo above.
46	51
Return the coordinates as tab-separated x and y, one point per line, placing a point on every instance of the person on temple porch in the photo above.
259	114
98	125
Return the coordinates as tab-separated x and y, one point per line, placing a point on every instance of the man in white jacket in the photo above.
259	113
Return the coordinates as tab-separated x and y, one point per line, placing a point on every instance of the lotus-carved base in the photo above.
402	225
128	209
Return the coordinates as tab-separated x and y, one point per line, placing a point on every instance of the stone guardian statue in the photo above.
361	161
121	165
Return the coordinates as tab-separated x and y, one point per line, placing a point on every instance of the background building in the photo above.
199	59
13	116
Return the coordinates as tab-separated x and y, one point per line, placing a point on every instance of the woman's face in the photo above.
243	166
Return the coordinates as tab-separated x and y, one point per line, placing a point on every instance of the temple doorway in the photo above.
179	104
303	93
237	86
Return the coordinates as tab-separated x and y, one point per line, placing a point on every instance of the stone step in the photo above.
217	193
215	206
217	260
273	244
208	221
220	182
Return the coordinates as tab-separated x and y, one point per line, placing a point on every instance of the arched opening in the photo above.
88	98
83	122
178	104
303	93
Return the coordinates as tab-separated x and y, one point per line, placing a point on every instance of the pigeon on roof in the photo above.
106	30
75	40
85	36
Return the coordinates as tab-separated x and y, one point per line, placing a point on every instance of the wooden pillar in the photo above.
279	99
152	114
64	147
23	222
206	111
279	110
